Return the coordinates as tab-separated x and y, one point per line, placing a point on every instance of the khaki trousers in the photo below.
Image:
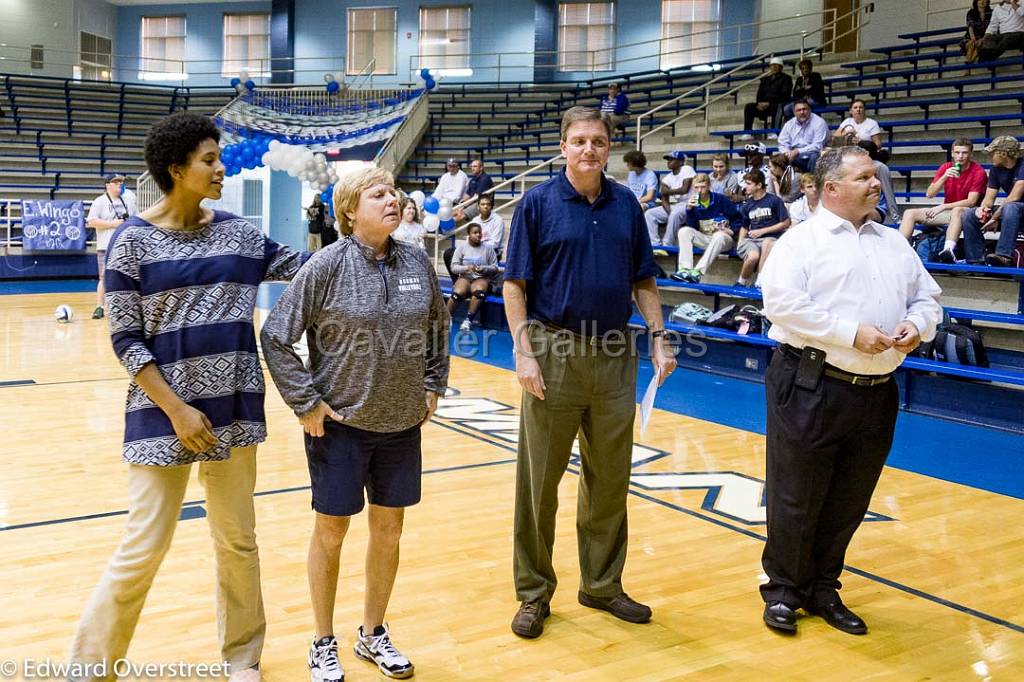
154	505
713	245
592	393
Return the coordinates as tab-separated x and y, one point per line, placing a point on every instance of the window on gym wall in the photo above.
444	40
246	44
372	36
689	31
93	57
586	36
162	48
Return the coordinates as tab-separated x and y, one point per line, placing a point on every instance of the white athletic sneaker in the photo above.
466	326
378	649
323	661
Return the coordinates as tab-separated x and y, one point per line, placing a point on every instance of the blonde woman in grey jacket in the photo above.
377	330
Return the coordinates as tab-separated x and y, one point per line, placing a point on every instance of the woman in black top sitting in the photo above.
978	17
809	86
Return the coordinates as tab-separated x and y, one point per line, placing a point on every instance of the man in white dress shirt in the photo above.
848	300
452	185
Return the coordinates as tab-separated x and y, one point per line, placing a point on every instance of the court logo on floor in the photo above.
731	495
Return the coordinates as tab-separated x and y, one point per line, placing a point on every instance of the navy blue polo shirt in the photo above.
579	260
479	185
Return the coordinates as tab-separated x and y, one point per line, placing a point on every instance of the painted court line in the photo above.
995	620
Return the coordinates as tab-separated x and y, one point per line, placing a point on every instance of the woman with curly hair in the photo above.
181	286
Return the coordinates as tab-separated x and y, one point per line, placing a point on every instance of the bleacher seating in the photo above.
921	94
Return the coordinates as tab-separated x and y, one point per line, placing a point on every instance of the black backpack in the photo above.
746	320
955	343
958	344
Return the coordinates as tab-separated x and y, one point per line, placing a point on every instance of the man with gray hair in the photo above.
848	300
578	255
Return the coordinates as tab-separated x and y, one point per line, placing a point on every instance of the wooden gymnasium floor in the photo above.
939	577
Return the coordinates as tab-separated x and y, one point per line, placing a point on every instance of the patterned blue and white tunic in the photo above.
184	300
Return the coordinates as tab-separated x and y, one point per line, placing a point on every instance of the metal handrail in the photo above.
416	121
929	13
493	190
366	73
705	88
593	58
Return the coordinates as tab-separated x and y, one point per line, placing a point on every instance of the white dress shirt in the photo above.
824	278
1006	19
452	187
806	137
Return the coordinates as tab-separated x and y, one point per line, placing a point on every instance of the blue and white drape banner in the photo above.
53	225
315	119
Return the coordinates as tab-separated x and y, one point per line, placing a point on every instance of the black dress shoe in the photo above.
620	606
946	256
841	618
780	616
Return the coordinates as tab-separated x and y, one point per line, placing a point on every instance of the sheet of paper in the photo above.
647	404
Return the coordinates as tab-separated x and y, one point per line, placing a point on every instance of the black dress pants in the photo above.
750	112
825	452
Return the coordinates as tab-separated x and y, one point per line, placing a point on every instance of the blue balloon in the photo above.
447	224
235	81
431	204
424	74
250	85
430	84
333	87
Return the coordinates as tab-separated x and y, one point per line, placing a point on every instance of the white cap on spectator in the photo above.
777	60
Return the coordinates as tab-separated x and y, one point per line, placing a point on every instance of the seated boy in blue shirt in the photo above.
711	222
764	218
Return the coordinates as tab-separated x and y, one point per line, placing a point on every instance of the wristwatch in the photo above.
657	332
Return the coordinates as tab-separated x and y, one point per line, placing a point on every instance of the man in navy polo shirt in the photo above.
577	256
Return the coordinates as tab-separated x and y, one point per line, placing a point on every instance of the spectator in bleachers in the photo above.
615	107
857	127
782	178
1005	31
106	214
479	184
641	180
675	185
711	222
773	92
410	230
1007	174
763	219
474	264
723	180
492	224
978	18
803	137
807	205
452	185
753	155
809	87
887	211
962	182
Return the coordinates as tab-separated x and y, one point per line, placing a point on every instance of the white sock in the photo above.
743	282
950	245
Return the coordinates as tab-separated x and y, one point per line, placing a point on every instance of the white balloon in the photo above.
320	158
328	77
274	145
240	89
444	212
243	75
431	222
417	196
323	179
266	158
445	203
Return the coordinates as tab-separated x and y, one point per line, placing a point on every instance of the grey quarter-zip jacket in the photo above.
377	331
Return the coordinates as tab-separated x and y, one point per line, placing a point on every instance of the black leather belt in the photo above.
596	341
836	373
